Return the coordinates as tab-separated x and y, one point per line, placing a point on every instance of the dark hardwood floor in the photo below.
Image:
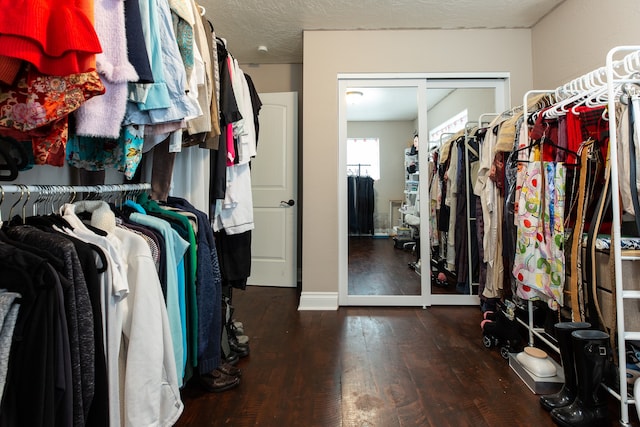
376	267
364	367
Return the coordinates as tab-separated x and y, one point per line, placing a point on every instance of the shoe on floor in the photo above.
242	350
232	358
216	381
229	369
239	326
242	339
238	332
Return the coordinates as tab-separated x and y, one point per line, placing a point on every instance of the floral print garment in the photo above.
38	105
539	259
123	154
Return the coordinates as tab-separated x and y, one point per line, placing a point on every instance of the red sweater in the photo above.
56	36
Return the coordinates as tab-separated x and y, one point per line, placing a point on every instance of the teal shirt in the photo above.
176	248
183	226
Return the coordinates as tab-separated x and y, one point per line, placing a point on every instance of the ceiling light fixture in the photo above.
263	49
353	96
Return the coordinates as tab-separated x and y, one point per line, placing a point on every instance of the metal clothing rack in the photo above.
56	193
533	331
96	189
606	80
360	166
631	64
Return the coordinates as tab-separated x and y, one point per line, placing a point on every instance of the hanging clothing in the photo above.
25	33
77	311
234	252
209	282
492	211
137	44
102	116
236	214
114	288
37	109
360	204
539	259
35	395
204	82
149	384
175	301
166	100
451	201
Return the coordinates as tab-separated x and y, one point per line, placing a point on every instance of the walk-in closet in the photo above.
384	214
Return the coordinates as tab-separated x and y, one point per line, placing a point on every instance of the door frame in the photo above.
423	81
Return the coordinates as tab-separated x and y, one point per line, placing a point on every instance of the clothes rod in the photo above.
614	70
98	189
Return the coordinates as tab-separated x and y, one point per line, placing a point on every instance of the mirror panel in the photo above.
381	123
387	259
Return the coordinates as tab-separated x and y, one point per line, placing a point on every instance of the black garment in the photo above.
365	204
234	254
77	310
351	204
361	204
136	46
218	170
37	390
463	226
509	229
256	104
98	410
444	211
229	113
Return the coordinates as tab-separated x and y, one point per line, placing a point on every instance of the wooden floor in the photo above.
376	267
364	367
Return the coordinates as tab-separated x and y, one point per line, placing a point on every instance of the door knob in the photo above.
290	203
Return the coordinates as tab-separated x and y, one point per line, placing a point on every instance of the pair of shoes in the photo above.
229	369
242	350
239	327
217	381
231	359
238	333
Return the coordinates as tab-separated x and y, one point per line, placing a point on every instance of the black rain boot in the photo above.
567	394
591	351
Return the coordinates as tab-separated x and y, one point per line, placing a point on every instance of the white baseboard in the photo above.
318	301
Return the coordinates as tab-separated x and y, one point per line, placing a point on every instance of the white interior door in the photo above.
274	185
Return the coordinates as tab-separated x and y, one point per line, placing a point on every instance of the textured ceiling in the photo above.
278	24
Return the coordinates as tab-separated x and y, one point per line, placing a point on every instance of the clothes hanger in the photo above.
539	143
562	108
47	195
11	222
